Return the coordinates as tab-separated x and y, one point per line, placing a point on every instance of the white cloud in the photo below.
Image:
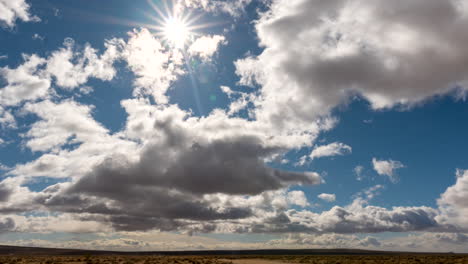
297	198
72	68
37	37
358	171
454	202
311	49
7	120
27	82
333	149
239	100
65	122
387	168
327	197
420	242
11	10
233	8
332	241
206	46
154	66
68	67
85	90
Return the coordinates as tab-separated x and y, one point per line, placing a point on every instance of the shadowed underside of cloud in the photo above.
168	182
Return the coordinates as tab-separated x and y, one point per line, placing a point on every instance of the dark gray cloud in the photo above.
7	224
5	193
231	166
161	188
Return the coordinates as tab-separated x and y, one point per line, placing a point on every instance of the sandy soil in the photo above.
255	261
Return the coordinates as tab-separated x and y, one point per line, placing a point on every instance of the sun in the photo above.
174	24
176	32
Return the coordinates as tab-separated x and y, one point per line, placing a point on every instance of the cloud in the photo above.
311	49
177	178
65	122
72	68
233	8
298	198
27	82
206	46
239	100
37	37
354	218
325	241
454	202
154	66
358	171
333	149
6	224
327	197
162	154
387	168
11	10
179	161
69	68
7	120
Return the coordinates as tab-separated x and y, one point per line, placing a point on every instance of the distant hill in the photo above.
14	250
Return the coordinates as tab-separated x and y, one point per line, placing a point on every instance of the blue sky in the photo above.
156	125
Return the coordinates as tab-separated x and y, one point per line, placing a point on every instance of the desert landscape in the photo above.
34	255
311	259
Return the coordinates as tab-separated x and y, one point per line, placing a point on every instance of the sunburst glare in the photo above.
176	32
176	27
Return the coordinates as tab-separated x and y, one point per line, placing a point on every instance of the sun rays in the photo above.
174	25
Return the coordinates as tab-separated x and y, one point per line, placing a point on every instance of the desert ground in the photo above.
316	259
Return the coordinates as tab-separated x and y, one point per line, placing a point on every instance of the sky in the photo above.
244	124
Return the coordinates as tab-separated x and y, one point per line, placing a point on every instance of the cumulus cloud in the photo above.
311	49
387	168
355	218
326	241
454	202
154	66
327	197
206	46
333	149
68	66
164	155
298	198
65	122
177	174
6	224
26	82
72	68
7	120
11	10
